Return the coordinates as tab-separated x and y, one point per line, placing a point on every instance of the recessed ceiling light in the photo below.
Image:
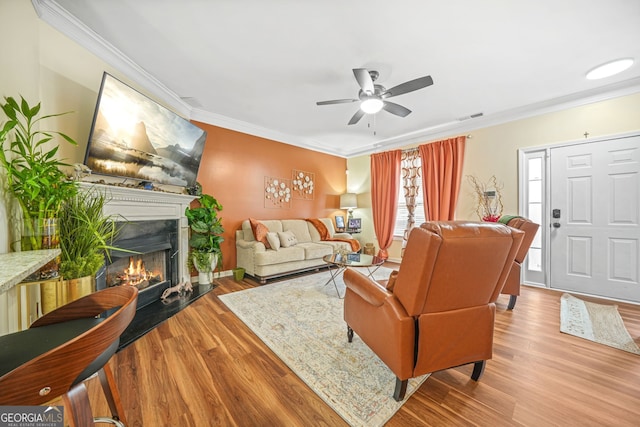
609	69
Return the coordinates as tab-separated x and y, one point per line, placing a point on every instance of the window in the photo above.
410	180
402	213
532	201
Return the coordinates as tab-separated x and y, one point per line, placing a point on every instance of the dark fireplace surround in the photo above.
148	259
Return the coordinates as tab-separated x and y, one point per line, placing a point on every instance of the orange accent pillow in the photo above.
260	232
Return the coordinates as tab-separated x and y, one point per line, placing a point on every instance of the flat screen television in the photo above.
133	136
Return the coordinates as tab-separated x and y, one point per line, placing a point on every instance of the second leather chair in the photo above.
512	284
438	312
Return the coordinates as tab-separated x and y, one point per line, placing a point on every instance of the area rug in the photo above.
600	323
301	320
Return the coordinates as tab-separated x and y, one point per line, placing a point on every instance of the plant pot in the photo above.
204	278
49	291
74	289
205	263
41	233
56	293
238	274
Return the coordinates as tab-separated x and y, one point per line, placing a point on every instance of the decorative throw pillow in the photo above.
259	231
287	239
274	240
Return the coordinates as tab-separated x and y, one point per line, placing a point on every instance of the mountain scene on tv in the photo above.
135	137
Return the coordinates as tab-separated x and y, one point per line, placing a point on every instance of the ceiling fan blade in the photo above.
356	117
337	101
396	109
364	80
409	86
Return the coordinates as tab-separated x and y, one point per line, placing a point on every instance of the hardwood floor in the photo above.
204	367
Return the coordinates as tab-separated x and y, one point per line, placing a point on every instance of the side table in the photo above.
352	259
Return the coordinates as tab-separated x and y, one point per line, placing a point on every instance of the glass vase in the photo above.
37	234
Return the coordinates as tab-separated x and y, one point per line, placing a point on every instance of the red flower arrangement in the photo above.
491	218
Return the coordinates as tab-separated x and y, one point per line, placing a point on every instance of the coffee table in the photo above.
342	261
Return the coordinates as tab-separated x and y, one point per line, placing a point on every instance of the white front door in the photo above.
595	218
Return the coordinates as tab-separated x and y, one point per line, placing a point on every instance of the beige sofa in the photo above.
306	254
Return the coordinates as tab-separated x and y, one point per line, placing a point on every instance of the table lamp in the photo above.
349	201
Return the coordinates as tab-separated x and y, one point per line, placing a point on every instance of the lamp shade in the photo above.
371	106
348	201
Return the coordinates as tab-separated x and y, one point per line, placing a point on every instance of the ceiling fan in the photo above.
373	97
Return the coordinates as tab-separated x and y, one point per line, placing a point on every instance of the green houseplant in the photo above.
33	173
86	234
206	237
86	237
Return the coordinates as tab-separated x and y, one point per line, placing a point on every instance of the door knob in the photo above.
556	225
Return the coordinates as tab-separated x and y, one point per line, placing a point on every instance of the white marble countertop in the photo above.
15	266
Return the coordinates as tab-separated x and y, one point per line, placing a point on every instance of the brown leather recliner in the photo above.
512	285
438	311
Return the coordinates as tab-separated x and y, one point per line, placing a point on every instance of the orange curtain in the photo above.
441	176
385	178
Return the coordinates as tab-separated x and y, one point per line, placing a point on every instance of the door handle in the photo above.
556	225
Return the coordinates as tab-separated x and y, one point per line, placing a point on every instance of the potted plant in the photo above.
206	236
33	174
86	234
86	237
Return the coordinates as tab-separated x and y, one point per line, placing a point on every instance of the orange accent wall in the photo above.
233	169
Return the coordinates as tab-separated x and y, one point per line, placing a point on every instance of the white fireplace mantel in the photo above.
132	204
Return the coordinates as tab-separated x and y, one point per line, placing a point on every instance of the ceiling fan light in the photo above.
371	105
609	69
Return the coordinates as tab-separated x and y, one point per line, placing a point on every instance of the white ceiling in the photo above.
260	66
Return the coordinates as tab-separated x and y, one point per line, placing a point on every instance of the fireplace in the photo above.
132	205
147	259
155	236
142	271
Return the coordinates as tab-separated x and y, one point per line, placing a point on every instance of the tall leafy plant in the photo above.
34	176
206	228
86	234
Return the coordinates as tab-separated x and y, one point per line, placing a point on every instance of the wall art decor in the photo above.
277	192
303	184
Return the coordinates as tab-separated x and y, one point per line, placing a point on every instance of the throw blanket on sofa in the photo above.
324	234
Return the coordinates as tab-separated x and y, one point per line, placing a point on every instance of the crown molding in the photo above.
259	131
602	93
58	17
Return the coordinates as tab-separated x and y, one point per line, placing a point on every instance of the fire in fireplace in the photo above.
148	259
141	271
